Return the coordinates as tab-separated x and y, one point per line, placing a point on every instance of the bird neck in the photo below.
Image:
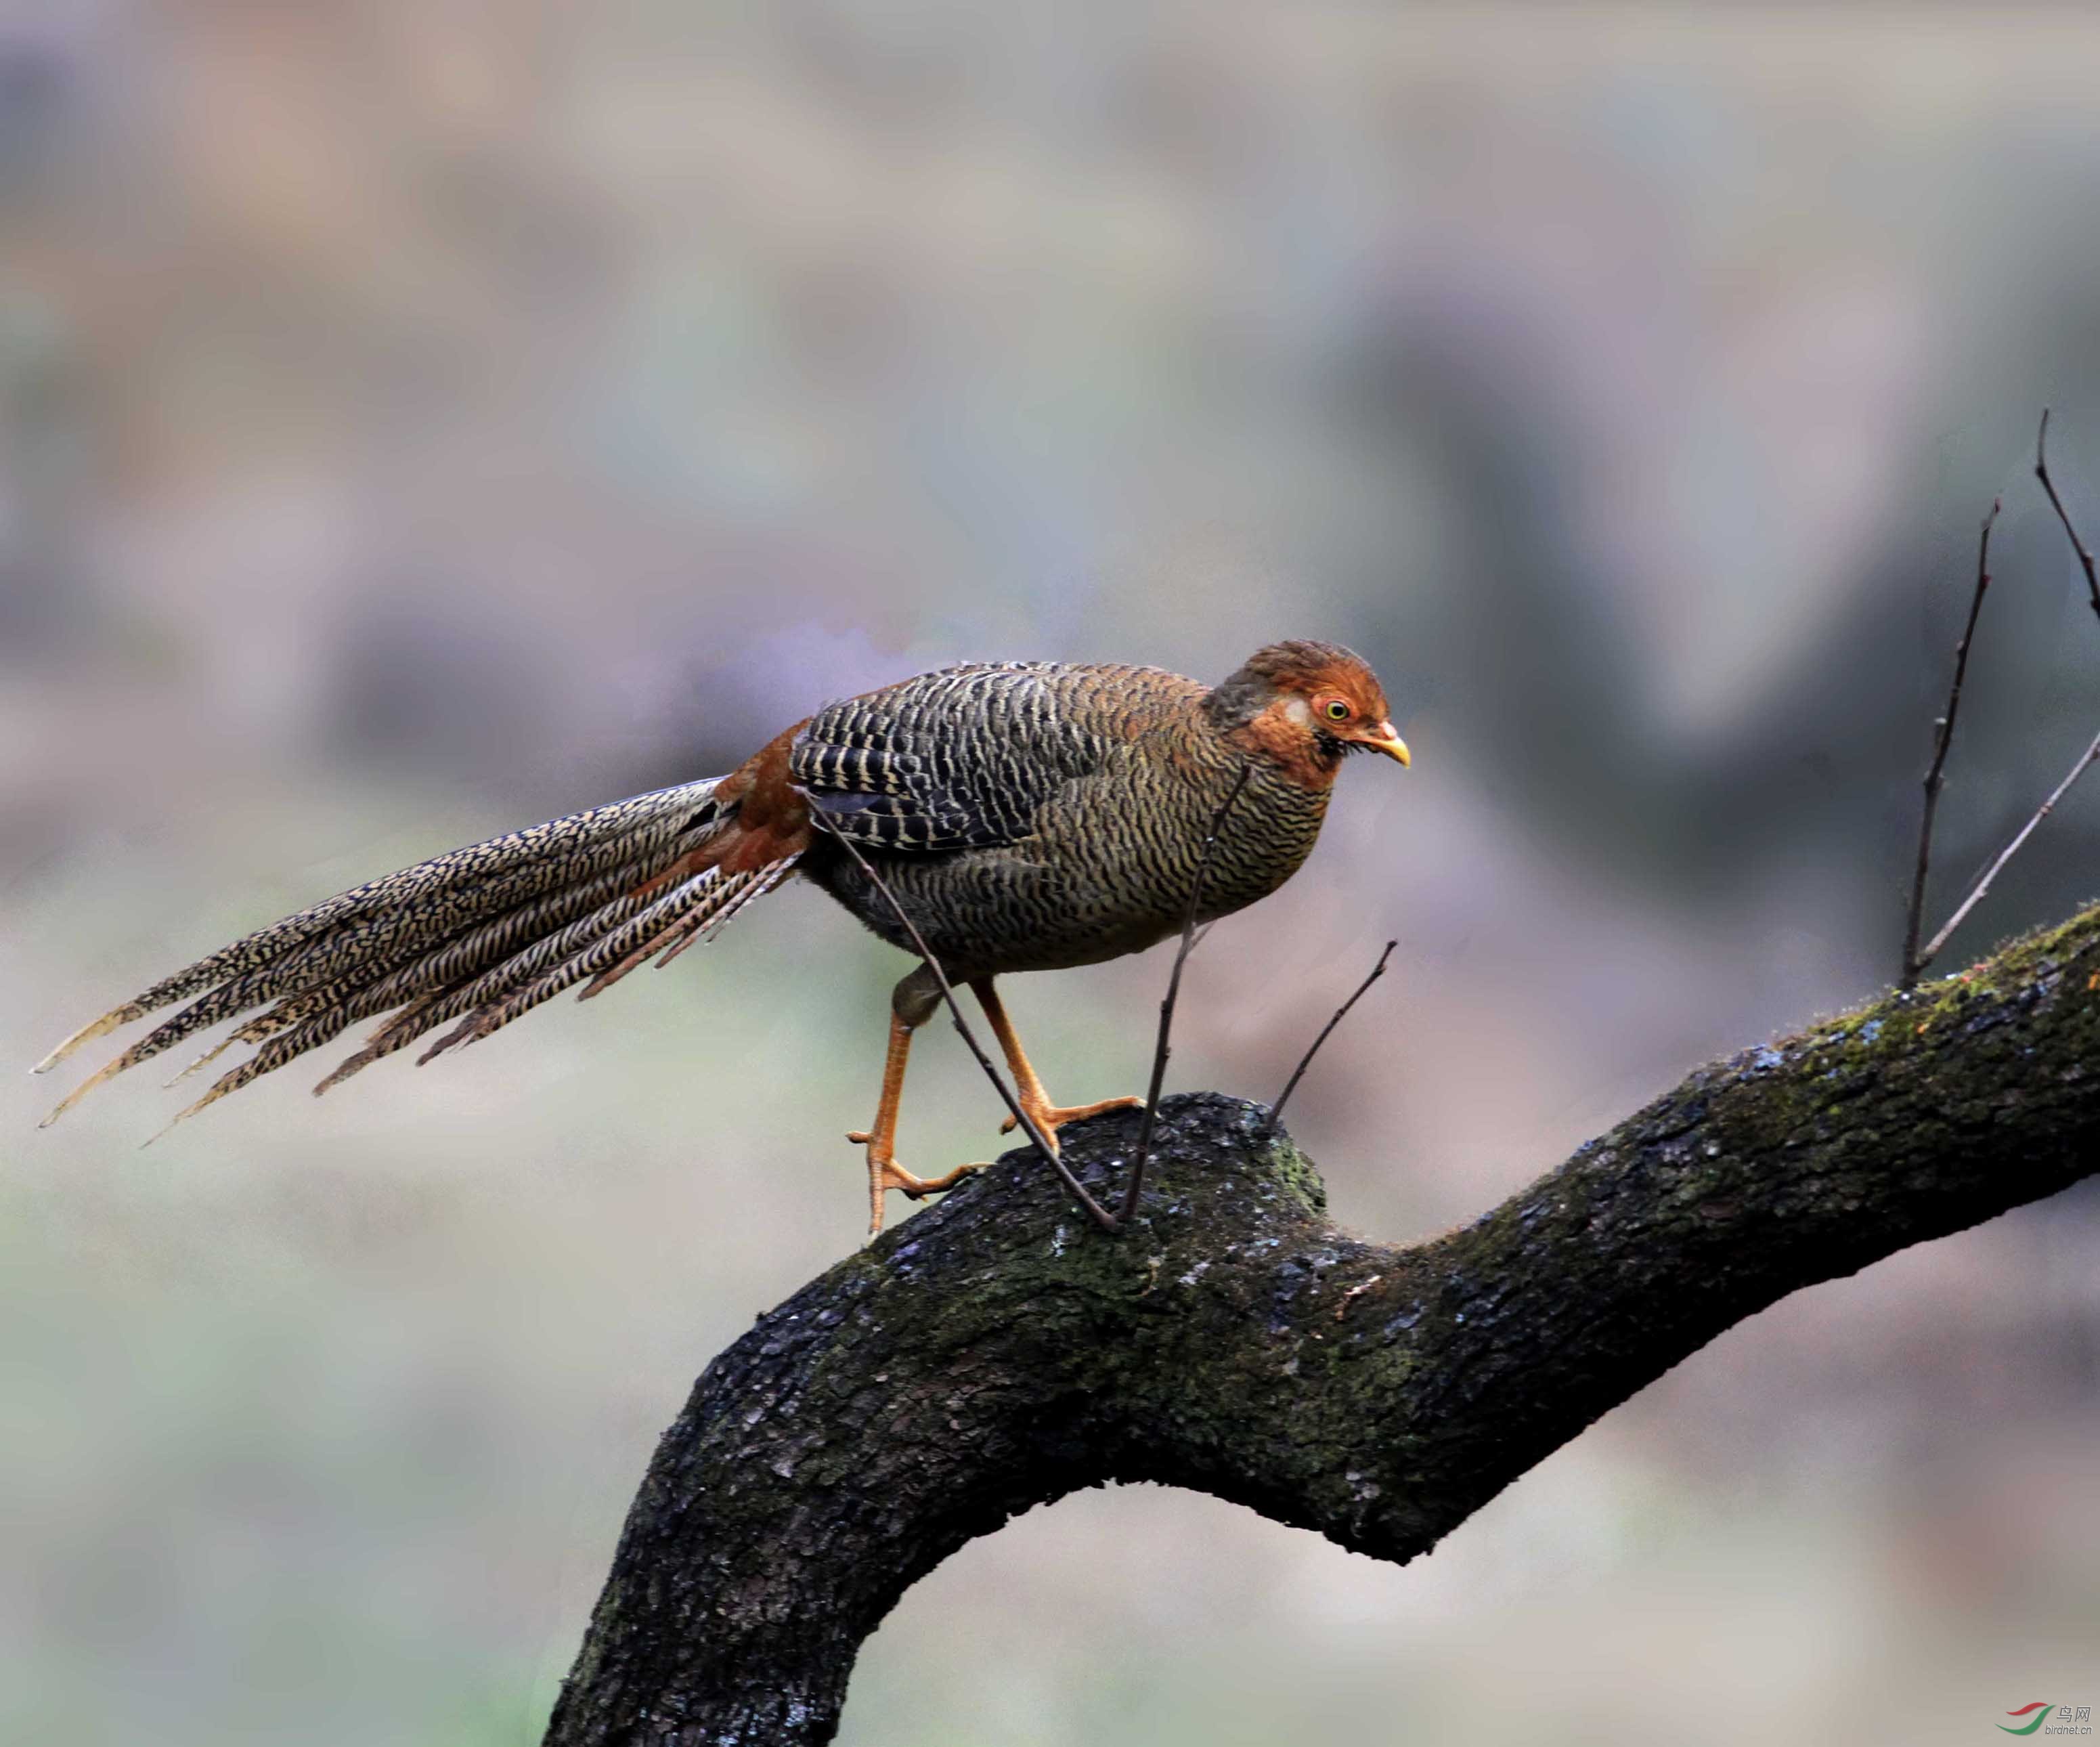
1234	703
1275	727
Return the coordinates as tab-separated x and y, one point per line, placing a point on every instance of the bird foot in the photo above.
884	1173
1050	1118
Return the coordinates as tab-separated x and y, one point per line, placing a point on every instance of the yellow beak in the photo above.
1386	741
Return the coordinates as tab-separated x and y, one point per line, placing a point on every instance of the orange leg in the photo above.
1047	1116
884	1172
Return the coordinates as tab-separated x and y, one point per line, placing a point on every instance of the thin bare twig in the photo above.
1341	1012
2084	552
1943	739
1914	960
1162	1047
2005	855
1102	1216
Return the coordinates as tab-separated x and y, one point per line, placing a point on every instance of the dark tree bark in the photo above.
997	1351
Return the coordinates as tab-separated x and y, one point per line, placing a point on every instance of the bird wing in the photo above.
960	759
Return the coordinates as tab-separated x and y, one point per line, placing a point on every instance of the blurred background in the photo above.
419	417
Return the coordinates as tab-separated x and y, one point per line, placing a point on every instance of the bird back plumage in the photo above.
960	759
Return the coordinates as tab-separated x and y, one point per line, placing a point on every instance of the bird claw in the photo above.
1050	1118
884	1173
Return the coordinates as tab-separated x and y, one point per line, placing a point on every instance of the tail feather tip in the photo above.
86	1034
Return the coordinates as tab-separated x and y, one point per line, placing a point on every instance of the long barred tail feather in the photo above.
709	896
704	928
473	991
455	870
490	992
703	919
585	961
481	934
207	1058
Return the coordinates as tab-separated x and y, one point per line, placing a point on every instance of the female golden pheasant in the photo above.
1027	815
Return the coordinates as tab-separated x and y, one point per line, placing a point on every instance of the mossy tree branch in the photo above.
997	1351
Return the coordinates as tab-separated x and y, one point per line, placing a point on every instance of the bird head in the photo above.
1307	705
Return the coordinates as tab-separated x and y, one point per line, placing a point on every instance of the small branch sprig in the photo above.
2049	485
1942	737
1341	1012
1916	959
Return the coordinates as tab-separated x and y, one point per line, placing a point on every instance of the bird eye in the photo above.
1338	711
